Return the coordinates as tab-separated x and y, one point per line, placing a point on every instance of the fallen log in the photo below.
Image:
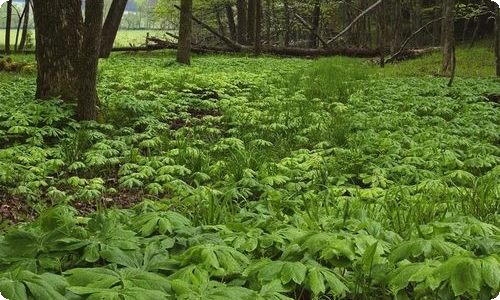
288	51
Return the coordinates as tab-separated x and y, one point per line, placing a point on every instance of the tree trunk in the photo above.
24	34
497	39
316	16
382	19
269	10
8	26
111	26
287	25
448	34
230	21
67	50
242	21
222	28
252	13
58	40
258	27
184	50
87	76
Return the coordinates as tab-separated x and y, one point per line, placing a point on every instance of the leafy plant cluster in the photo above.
265	178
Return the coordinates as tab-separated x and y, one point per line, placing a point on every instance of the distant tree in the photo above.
67	49
24	34
241	7
8	26
316	16
448	37
111	26
497	39
185	24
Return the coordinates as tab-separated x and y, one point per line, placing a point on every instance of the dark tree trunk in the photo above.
448	34
8	26
230	21
24	34
258	27
111	26
184	50
252	13
286	37
382	19
58	40
87	98
497	39
242	21
67	51
269	10
316	16
222	28
436	28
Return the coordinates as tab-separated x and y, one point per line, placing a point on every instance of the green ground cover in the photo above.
262	178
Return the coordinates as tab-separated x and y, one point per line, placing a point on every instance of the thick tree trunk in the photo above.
258	27
241	8
111	26
58	40
87	97
287	25
316	16
448	35
24	34
497	39
252	13
230	21
8	26
184	50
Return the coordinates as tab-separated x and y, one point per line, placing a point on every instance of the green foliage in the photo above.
257	178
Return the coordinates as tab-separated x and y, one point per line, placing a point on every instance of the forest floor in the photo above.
255	178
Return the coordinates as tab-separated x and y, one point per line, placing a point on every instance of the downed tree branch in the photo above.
229	42
354	21
311	29
397	54
285	51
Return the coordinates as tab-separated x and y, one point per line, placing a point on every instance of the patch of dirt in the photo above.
495	98
119	200
14	209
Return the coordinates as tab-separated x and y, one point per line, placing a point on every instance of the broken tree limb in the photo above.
354	21
229	42
285	51
414	34
311	29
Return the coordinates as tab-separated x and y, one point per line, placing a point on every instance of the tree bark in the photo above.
111	26
382	29
287	25
242	21
8	26
58	43
230	21
67	50
251	21
497	39
24	34
316	16
448	34
87	76
258	27
184	50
